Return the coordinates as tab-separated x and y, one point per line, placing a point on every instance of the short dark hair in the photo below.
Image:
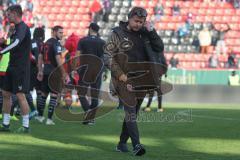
94	26
39	33
56	28
16	8
138	11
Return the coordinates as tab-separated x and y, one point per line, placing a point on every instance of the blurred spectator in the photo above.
11	2
174	61
107	6
205	39
71	45
96	11
184	30
40	20
233	79
158	11
221	30
23	4
196	43
189	18
238	64
213	61
29	5
175	9
236	4
231	62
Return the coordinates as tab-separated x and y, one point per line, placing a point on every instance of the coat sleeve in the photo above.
112	49
156	41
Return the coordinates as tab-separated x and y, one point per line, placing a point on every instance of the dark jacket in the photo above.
153	48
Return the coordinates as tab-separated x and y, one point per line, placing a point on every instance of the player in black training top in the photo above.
90	45
17	76
37	45
51	58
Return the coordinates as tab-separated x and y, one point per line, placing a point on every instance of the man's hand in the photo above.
40	76
123	78
149	26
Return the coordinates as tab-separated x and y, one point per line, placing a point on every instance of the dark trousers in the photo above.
159	95
94	94
129	127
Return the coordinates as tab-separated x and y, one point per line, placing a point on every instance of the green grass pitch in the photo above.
181	132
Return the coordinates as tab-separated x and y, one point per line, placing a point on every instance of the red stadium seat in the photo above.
51	17
162	26
234	19
43	3
203	64
226	19
169	4
60	17
74	24
219	12
51	24
233	34
199	19
76	17
72	10
86	17
238	12
167	11
68	17
85	4
83	24
196	4
55	10
237	41
64	10
75	3
150	11
66	24
204	5
224	5
82	10
217	19
58	3
229	12
67	3
212	5
184	11
202	11
233	26
210	12
46	10
194	11
50	3
208	18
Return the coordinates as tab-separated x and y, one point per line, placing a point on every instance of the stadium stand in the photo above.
75	17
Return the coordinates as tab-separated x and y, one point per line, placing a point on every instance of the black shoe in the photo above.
139	150
4	128
85	122
121	147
